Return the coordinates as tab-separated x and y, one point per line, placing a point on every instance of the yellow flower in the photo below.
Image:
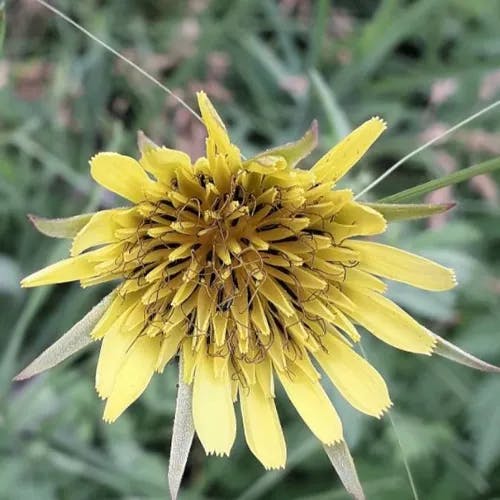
250	270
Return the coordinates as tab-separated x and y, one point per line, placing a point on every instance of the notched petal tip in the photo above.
334	442
109	420
385	410
275	467
379	120
217	453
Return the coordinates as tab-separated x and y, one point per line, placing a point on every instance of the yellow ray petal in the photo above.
357	278
190	360
343	322
133	376
219	327
114	315
122	175
389	323
217	135
163	163
213	410
113	351
72	269
357	220
273	292
398	265
258	316
170	346
264	374
354	377
183	293
313	405
204	310
215	126
339	160
309	279
98	231
262	427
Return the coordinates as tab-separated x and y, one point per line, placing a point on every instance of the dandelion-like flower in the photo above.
251	271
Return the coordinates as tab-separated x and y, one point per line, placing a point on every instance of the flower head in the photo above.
251	270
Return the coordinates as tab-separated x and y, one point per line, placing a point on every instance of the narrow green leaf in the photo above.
182	435
448	180
400	211
3	24
66	227
336	117
293	152
71	342
10	275
485	435
452	352
342	461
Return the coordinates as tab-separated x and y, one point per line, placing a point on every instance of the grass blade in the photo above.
3	23
447	180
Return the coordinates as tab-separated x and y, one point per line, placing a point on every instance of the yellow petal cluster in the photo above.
250	270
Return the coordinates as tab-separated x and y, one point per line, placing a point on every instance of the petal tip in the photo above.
270	467
109	417
385	410
28	281
337	440
217	453
380	121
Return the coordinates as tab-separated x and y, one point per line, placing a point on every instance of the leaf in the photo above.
3	24
418	438
293	152
447	180
342	461
399	211
484	414
182	435
335	115
10	275
71	342
448	350
66	227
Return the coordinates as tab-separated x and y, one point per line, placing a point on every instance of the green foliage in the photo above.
3	24
464	174
485	422
271	68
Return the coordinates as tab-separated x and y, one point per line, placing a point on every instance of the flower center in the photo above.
240	267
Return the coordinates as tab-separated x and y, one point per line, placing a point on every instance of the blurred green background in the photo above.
270	67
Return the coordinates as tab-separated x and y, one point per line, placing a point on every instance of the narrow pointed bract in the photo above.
342	461
182	436
73	341
251	271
